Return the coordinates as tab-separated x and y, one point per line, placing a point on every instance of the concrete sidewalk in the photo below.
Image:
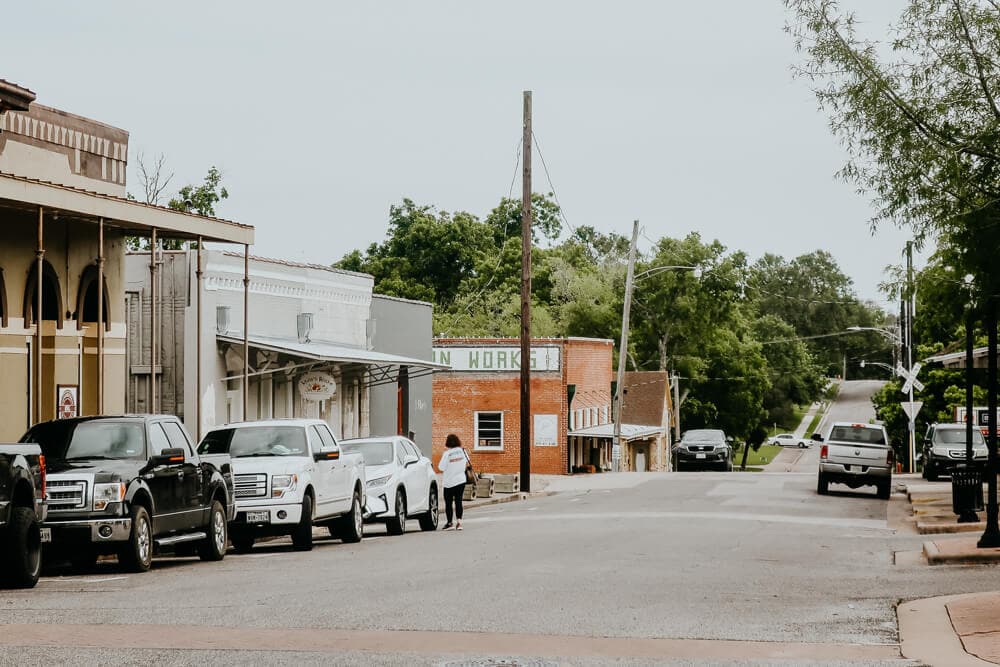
955	630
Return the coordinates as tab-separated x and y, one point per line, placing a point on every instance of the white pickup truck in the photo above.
290	474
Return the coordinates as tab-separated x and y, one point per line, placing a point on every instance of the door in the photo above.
324	472
415	478
193	482
640	461
165	483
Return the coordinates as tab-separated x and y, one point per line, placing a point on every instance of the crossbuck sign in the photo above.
910	377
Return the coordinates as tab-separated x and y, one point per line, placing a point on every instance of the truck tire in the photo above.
352	527
23	561
822	485
396	525
136	555
429	521
884	489
302	536
930	471
213	547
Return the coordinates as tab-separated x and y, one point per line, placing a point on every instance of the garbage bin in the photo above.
966	491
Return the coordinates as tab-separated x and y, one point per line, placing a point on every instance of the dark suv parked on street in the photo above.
704	448
944	448
130	486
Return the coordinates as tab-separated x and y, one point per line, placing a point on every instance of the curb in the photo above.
505	498
926	634
973	556
940	528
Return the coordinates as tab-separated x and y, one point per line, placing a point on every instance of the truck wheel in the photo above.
396	525
930	472
352	527
883	490
24	549
213	547
822	485
302	536
242	542
136	555
429	521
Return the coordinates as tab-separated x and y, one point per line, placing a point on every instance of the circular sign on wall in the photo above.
317	386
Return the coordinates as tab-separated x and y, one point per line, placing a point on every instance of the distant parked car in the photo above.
788	440
856	455
944	448
704	448
401	482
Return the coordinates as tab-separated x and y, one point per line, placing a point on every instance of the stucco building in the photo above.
64	221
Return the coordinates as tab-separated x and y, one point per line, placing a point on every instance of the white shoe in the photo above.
458	526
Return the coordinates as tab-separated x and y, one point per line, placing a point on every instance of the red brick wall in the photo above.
458	396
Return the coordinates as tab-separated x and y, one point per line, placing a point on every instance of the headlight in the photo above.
281	484
378	481
105	494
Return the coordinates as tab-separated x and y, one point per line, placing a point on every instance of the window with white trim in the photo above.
489	430
604	414
593	416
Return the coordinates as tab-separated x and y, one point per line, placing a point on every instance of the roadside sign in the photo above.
911	377
912	408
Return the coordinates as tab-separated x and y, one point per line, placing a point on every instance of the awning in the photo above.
27	194
382	367
957	359
629	432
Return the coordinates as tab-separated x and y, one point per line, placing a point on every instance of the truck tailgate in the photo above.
857	453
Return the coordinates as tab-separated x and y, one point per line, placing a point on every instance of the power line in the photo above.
552	187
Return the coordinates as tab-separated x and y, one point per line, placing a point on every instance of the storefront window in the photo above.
489	430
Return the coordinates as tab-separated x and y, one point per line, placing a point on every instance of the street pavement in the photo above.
609	569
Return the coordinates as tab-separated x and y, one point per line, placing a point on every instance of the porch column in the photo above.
100	317
152	322
39	255
246	326
403	386
197	405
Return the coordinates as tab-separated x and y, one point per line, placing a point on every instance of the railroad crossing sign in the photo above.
910	377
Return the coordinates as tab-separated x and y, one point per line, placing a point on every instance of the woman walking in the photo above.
453	463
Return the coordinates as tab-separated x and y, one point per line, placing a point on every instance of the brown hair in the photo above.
452	441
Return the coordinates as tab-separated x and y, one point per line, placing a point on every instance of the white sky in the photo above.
682	114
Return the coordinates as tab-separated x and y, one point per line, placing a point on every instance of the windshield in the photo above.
860	434
955	436
100	439
374	453
255	441
705	434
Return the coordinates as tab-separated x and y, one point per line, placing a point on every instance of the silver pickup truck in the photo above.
856	455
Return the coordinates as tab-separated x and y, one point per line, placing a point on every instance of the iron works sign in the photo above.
496	359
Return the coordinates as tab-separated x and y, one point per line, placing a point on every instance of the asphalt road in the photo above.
636	569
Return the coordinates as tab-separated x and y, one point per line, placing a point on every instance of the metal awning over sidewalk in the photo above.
382	367
957	359
629	432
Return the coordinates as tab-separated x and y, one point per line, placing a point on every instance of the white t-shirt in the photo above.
453	464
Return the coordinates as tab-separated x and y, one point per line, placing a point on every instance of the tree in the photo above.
201	199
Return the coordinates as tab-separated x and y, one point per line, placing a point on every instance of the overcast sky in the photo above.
682	114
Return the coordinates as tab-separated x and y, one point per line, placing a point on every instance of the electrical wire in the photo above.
552	187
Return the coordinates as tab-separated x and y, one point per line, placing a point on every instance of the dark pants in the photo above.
453	494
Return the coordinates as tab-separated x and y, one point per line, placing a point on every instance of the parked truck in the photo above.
290	474
131	485
22	509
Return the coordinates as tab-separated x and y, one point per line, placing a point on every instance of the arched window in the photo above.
3	302
52	305
86	301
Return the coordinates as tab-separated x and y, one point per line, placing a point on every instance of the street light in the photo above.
879	364
893	336
631	277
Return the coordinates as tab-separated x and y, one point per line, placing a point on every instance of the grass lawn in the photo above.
762	456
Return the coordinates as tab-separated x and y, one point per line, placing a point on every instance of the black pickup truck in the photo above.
131	485
22	508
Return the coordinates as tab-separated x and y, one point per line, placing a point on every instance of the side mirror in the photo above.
729	439
409	460
168	457
818	437
919	456
327	455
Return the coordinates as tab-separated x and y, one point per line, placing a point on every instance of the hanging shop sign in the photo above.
317	386
67	401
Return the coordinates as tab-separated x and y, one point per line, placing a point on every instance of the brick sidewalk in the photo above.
976	620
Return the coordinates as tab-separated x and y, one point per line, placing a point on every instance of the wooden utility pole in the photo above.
526	298
623	352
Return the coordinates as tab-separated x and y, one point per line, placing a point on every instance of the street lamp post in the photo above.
630	280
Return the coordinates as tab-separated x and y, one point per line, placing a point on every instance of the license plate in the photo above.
46	534
699	456
258	517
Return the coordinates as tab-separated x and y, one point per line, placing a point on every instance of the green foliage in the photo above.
201	199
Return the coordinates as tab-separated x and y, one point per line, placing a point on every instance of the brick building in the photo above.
479	398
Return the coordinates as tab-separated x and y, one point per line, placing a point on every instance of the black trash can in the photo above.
966	490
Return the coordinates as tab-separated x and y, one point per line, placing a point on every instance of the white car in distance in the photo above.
789	440
400	482
290	474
